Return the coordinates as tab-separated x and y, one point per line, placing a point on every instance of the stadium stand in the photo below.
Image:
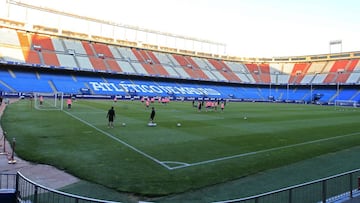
240	80
46	61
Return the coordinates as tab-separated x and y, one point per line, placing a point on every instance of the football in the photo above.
178	124
152	124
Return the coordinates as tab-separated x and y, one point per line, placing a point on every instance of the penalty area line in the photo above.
120	141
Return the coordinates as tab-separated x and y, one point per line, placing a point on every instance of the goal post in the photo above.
48	101
345	103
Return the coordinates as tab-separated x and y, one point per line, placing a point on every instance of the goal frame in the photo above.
345	103
48	101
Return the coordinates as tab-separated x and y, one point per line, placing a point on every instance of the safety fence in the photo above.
7	181
336	188
27	191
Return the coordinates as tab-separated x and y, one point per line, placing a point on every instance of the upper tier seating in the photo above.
51	51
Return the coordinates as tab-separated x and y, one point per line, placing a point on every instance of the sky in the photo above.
249	28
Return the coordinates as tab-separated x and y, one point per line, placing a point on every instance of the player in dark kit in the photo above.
152	115
111	115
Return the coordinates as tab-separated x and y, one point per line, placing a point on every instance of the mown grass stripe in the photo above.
119	140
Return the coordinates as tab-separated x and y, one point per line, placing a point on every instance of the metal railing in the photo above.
7	181
331	189
28	191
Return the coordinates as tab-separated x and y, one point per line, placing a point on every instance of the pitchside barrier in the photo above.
27	191
7	188
338	188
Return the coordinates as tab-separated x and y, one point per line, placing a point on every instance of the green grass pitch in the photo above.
209	148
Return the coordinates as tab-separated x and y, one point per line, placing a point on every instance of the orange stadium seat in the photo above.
50	58
145	56
264	72
88	49
153	57
333	72
32	57
102	49
340	71
149	69
200	74
113	65
43	41
25	46
254	71
298	72
226	70
343	78
181	60
46	50
152	61
98	63
187	67
196	68
159	68
138	55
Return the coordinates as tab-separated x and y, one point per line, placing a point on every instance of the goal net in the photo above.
345	103
49	101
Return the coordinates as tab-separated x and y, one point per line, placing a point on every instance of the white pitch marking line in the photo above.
181	164
184	165
262	151
119	140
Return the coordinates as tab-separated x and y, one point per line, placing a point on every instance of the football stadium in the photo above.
132	114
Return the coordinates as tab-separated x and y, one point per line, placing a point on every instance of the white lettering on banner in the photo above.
180	90
107	86
172	90
135	87
168	89
155	89
98	86
123	87
210	91
115	88
145	88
